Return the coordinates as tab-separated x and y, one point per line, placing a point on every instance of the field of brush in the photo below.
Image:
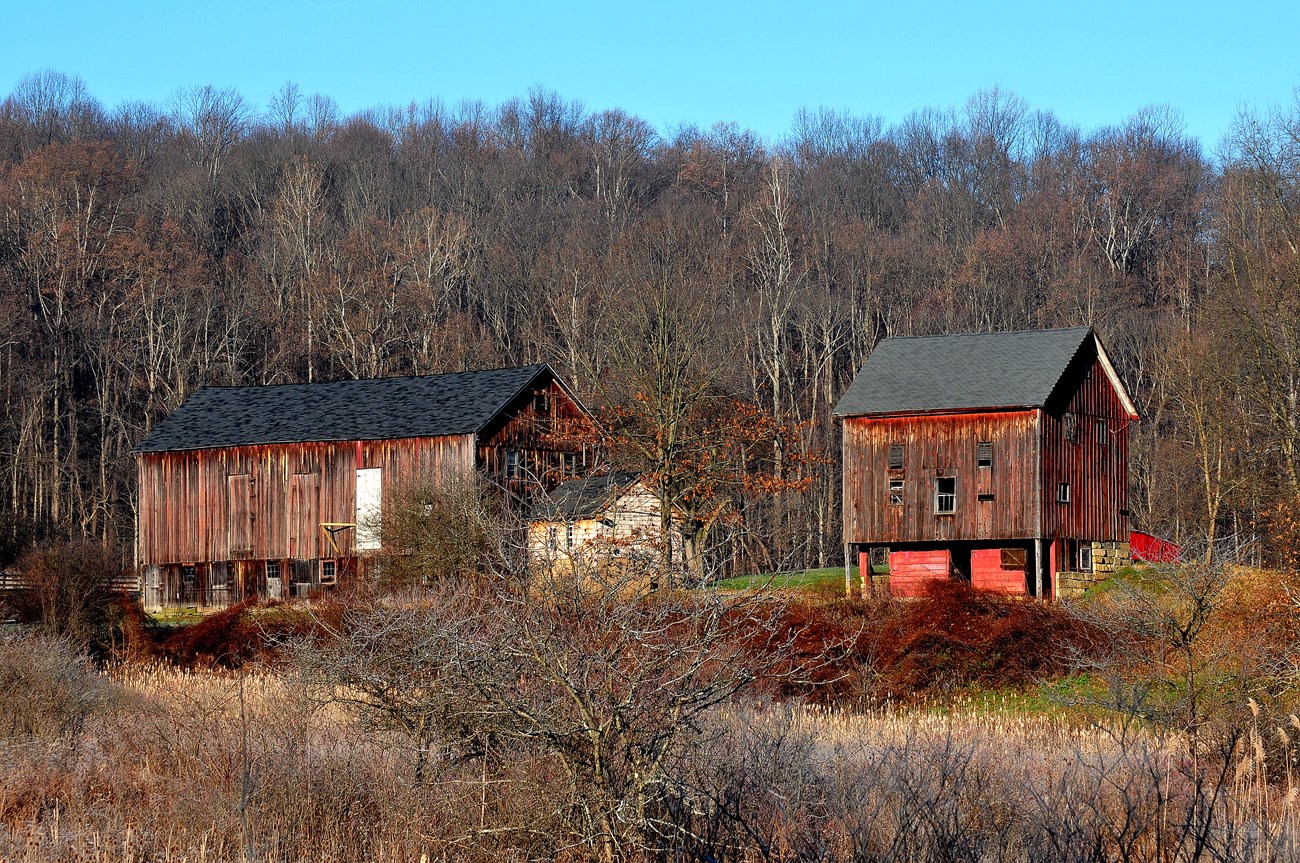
193	766
1153	723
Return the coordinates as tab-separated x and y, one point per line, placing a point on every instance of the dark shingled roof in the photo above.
583	498
378	409
962	372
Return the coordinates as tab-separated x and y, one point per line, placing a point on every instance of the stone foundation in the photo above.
1107	559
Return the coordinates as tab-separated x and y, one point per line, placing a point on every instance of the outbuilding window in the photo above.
568	535
1062	492
895	456
1085	558
328	572
945	495
895	492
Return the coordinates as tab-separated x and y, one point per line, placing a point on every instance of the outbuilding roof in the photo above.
970	371
375	409
587	497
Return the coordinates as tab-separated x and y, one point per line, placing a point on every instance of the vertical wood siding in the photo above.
267	502
1095	465
941	445
541	437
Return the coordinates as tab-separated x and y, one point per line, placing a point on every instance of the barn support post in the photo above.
1038	567
848	571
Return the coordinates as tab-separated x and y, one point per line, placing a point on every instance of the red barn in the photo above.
272	491
996	458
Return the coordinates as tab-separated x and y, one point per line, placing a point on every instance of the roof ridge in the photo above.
537	366
991	333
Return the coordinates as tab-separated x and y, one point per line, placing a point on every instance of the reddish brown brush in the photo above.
956	636
247	632
951	637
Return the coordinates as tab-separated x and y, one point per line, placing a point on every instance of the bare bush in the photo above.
454	528
613	684
68	589
47	688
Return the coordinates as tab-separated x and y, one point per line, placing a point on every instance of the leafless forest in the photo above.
151	249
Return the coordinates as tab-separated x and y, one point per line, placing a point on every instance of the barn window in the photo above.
895	492
985	498
1085	558
945	494
273	569
514	463
329	573
541	402
895	456
1062	492
568	535
1103	433
569	464
1070	426
1013	558
984	453
187	576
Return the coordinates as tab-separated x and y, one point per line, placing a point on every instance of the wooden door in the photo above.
304	516
239	515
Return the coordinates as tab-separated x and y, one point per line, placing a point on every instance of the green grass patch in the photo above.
800	580
1077	696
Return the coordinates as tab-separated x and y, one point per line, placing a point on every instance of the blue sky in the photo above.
755	64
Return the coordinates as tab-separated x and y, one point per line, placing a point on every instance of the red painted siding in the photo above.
987	572
909	571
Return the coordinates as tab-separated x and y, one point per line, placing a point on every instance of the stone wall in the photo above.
1107	559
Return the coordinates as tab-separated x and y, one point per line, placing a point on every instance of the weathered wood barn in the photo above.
275	491
997	458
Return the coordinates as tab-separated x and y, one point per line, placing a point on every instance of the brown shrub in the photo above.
909	651
247	632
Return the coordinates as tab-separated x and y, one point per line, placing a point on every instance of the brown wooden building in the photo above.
274	491
998	458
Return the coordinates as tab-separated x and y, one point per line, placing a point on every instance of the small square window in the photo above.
1070	427
328	572
187	576
895	456
1062	492
541	402
1013	558
945	495
984	453
1085	558
273	569
895	492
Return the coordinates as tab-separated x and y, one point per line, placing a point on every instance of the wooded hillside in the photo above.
670	278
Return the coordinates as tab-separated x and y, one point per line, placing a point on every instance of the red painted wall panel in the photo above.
910	570
986	573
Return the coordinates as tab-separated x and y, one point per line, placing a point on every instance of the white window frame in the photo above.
896	489
939	497
370	507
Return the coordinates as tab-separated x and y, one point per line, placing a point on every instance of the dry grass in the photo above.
199	766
